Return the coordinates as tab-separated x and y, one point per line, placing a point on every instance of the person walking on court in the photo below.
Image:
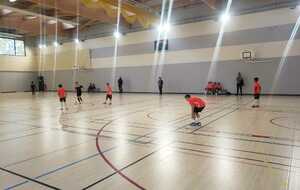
197	105
108	94
78	89
160	85
33	88
256	92
62	94
239	84
120	84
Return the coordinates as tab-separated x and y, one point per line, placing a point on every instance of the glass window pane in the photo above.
20	48
7	46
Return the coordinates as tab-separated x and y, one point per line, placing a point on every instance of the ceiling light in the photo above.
11	1
6	11
55	43
41	46
225	17
68	26
30	17
117	34
164	27
52	21
76	40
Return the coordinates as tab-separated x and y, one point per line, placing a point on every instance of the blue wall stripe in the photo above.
257	35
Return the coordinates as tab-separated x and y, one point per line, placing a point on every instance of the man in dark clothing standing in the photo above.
33	87
239	84
120	84
160	85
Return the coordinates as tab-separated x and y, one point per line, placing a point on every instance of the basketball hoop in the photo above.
248	56
249	61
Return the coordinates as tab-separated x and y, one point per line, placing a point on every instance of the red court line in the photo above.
110	164
261	136
118	171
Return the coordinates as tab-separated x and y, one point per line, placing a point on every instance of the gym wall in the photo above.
186	64
16	72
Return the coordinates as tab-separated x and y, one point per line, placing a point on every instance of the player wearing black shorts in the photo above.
78	89
197	105
198	110
62	99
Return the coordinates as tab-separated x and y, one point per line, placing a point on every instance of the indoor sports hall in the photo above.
149	94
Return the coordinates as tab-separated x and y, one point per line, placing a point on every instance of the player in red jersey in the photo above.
197	105
256	92
62	94
108	93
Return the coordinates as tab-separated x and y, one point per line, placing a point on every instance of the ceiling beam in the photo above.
188	3
70	7
210	3
87	24
30	27
25	12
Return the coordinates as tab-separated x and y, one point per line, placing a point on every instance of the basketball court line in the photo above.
58	169
67	165
216	119
235	149
238	138
97	154
29	179
118	171
46	154
23	136
251	135
63	167
127	134
273	111
195	153
71	164
282	126
40	127
176	121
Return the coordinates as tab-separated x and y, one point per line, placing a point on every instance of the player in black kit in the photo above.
78	89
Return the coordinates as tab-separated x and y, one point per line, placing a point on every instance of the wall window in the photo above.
20	47
12	47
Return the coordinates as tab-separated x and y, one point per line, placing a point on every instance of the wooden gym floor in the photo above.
144	141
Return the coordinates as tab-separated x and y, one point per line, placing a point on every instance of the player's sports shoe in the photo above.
193	124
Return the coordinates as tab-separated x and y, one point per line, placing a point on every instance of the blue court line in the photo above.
58	169
61	168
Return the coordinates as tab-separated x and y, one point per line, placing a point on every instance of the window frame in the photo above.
15	47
